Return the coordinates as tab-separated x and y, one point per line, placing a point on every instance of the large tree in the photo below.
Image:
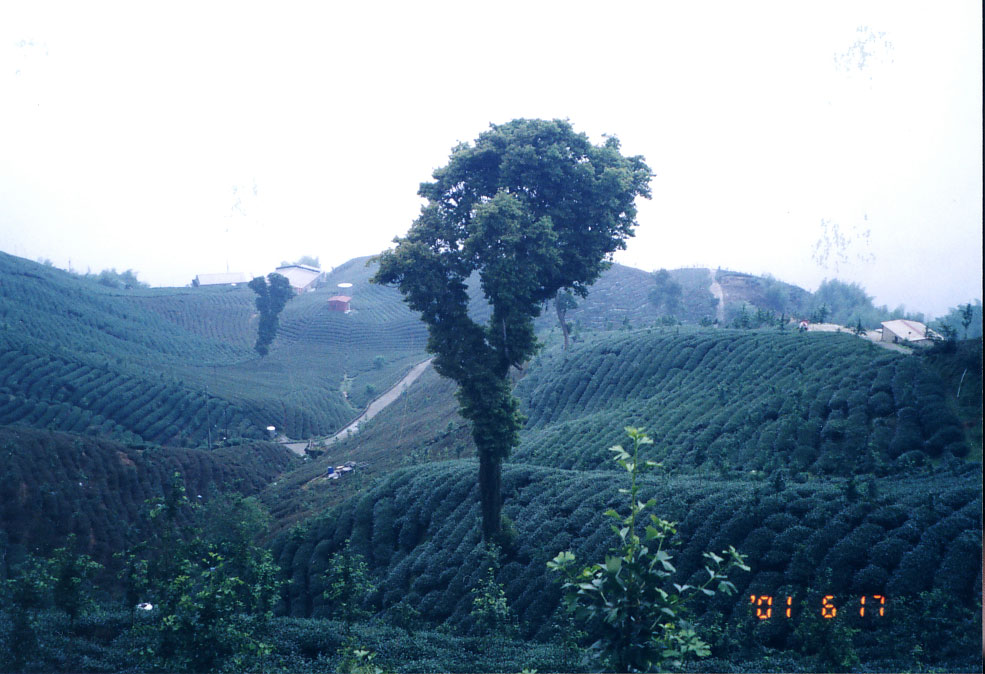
532	208
270	301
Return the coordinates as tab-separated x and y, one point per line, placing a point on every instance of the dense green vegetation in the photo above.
176	365
739	401
836	466
55	484
419	532
532	209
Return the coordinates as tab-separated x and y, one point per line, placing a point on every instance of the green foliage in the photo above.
967	319
135	365
348	586
215	587
667	293
490	611
125	280
73	572
21	597
56	484
629	602
272	295
758	400
209	617
531	208
357	660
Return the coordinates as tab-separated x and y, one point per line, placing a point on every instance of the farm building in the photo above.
224	279
301	277
339	303
913	332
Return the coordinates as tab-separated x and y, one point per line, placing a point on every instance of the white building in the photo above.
301	277
902	330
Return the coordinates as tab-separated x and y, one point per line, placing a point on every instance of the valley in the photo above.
841	470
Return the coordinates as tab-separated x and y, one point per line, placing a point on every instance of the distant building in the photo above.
339	303
913	332
226	279
302	278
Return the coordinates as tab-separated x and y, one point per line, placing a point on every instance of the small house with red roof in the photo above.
339	303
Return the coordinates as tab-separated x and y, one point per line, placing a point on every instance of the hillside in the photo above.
741	400
169	365
54	484
719	403
839	467
419	531
758	434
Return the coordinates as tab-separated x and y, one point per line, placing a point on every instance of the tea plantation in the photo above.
169	365
842	470
738	400
815	515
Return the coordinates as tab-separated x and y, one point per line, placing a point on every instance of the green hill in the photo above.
54	484
839	467
831	462
419	531
169	365
824	402
719	403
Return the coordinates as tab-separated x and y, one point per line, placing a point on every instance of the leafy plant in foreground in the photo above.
490	609
349	586
640	621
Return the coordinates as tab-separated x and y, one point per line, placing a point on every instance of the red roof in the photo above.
339	298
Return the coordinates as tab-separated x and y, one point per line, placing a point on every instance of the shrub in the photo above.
639	621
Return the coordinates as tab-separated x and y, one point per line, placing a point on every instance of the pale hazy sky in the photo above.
803	139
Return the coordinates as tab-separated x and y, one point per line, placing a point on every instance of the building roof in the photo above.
299	275
225	278
339	298
911	331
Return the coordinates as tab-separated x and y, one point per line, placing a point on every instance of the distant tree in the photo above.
667	293
820	314
125	280
846	300
564	301
742	319
305	260
966	317
533	208
858	330
775	295
272	295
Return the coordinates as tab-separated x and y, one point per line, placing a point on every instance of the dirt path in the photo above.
381	402
716	290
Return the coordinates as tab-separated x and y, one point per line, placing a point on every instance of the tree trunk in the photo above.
560	318
490	495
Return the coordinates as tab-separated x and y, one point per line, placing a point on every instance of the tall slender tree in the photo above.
273	294
531	208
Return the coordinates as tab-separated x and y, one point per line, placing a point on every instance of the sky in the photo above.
804	140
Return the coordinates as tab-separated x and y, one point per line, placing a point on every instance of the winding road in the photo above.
380	403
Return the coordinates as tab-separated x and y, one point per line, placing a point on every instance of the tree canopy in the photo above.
531	208
270	301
